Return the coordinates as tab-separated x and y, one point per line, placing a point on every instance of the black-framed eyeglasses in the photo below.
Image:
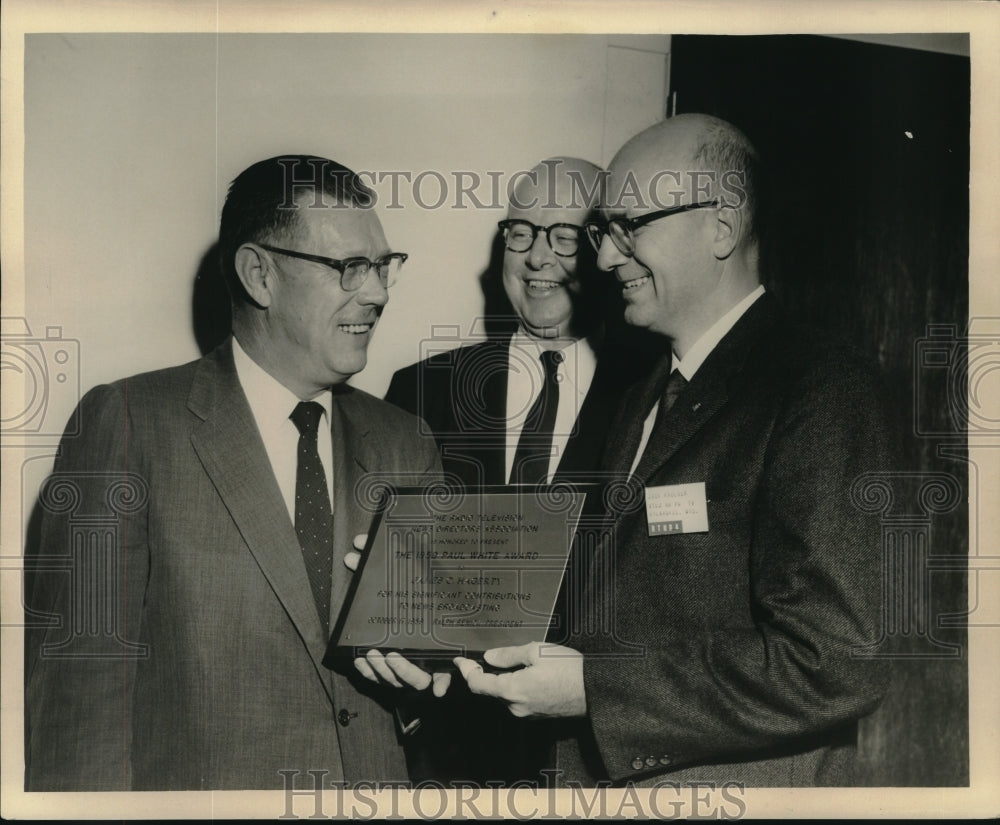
621	229
353	271
563	238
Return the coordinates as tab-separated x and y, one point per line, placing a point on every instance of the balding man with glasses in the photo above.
184	650
529	406
732	613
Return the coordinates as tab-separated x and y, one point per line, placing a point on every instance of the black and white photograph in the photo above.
563	410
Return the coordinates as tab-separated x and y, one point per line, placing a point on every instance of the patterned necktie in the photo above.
313	519
531	460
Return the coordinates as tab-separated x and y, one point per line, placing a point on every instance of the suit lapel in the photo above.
495	397
699	401
231	450
480	387
354	454
708	391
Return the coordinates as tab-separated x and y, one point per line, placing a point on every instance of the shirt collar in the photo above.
695	357
270	400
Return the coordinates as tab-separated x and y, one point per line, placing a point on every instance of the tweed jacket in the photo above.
206	672
739	654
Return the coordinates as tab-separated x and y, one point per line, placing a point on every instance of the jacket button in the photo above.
345	717
665	760
651	761
637	764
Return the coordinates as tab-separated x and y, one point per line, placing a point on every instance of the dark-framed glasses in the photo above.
621	229
353	271
563	238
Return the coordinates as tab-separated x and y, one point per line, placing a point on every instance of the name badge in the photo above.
676	508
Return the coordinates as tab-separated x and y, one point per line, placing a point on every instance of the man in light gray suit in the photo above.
181	648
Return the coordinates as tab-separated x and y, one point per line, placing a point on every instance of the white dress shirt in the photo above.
525	377
689	364
271	403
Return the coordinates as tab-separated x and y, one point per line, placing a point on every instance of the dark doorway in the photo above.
866	229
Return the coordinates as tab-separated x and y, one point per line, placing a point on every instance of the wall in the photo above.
131	141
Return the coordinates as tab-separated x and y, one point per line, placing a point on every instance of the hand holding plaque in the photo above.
455	573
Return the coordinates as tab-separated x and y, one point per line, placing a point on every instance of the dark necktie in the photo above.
313	519
675	386
625	431
531	460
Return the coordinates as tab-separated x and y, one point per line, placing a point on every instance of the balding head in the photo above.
688	158
566	189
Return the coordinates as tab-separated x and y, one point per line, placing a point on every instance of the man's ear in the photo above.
255	273
728	231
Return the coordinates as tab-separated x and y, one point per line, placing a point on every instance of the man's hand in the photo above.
393	669
549	684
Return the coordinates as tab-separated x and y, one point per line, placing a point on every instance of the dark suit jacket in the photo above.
729	655
462	397
204	668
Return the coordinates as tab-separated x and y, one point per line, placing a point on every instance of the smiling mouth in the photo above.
355	329
537	285
635	283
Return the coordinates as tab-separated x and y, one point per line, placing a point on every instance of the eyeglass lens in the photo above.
621	237
356	272
520	235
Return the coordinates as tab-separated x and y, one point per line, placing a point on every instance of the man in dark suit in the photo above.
182	650
478	399
737	590
482	403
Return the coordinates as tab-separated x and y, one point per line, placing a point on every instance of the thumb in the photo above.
351	560
359	541
441	682
509	656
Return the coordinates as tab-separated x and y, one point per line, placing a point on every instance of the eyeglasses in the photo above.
621	229
353	271
519	236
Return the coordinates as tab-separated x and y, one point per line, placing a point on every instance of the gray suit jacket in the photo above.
177	644
739	655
